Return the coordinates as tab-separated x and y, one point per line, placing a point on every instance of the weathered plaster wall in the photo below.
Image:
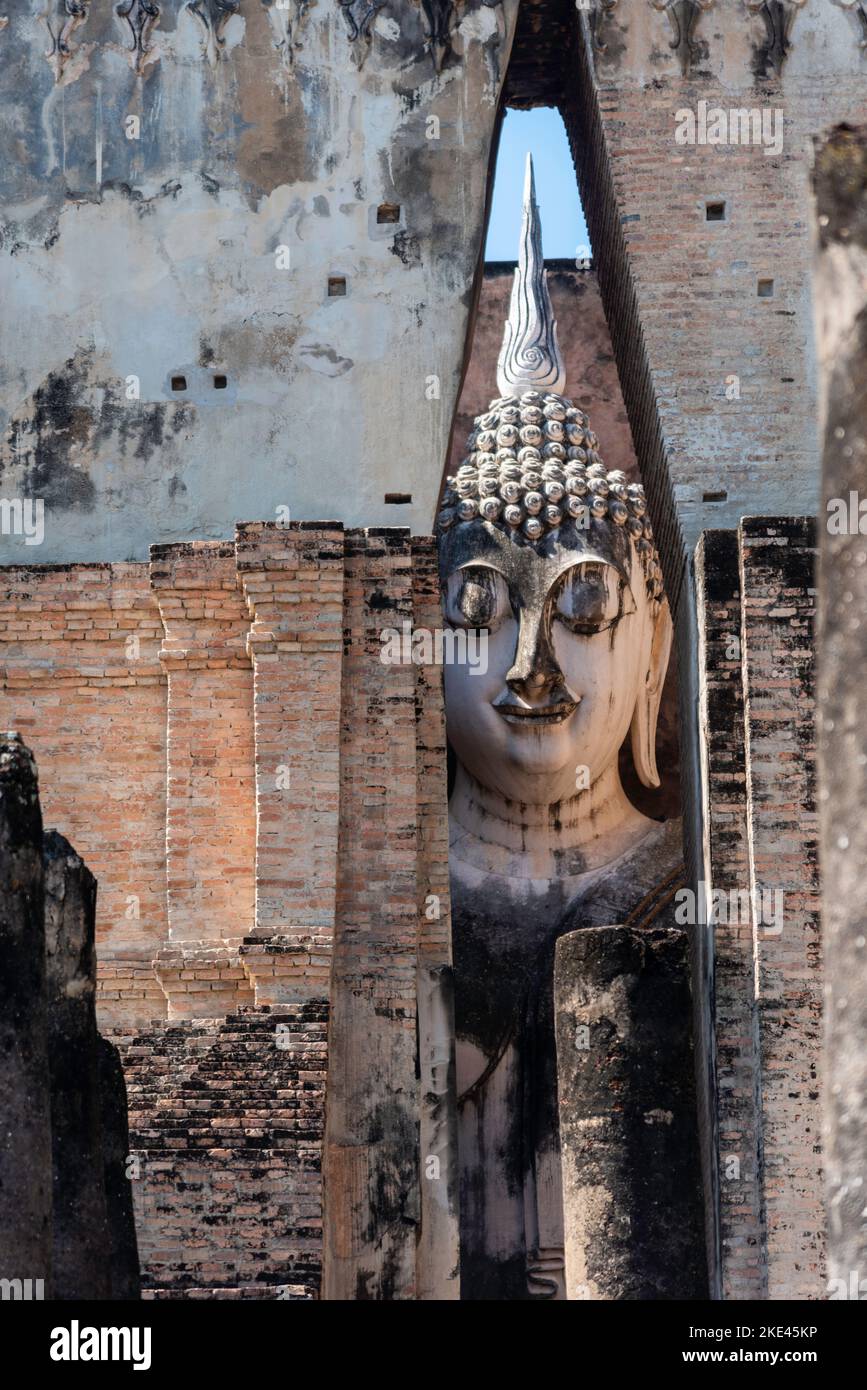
266	140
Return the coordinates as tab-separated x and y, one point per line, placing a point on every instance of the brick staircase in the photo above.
226	1119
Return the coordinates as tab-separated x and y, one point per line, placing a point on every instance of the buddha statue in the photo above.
551	558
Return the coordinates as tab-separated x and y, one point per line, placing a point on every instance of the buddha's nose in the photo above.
535	670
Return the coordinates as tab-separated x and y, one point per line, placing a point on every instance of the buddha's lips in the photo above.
537	714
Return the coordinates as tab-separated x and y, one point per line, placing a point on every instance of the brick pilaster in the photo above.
438	1259
292	580
726	867
372	1161
776	563
210	800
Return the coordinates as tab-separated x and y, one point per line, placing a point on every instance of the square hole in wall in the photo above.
220	382
388	212
179	383
765	289
398	499
336	286
715	211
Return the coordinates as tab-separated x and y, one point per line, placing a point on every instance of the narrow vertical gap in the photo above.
619	297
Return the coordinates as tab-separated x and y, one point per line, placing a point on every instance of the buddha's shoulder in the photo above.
637	889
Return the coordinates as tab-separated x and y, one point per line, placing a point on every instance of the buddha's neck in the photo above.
540	841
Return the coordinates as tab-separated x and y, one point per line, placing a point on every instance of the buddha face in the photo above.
576	653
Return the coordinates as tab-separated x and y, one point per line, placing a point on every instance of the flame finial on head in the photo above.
530	356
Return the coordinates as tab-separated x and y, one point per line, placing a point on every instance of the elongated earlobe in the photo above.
646	713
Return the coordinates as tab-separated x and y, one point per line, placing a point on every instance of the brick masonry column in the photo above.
292	580
438	1256
372	1173
740	1237
777	583
210	798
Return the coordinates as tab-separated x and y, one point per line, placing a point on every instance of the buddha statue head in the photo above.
552	557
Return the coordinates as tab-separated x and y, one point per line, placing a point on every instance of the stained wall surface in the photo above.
255	224
267	205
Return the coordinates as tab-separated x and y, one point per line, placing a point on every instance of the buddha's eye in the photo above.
590	597
476	597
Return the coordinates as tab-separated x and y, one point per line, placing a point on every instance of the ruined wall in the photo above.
257	222
735	1234
251	222
82	683
226	1119
779	600
210	800
66	1220
756	610
298	839
840	214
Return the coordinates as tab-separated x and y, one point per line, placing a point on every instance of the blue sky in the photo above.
542	132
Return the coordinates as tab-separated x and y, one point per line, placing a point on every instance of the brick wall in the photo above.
756	607
777	559
82	683
292	580
738	1238
296	826
680	291
210	811
437	1251
226	1122
372	1157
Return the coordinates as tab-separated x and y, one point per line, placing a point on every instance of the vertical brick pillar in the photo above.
292	580
372	1200
210	800
438	1252
726	867
776	562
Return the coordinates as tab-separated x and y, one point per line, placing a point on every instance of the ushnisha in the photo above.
532	467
